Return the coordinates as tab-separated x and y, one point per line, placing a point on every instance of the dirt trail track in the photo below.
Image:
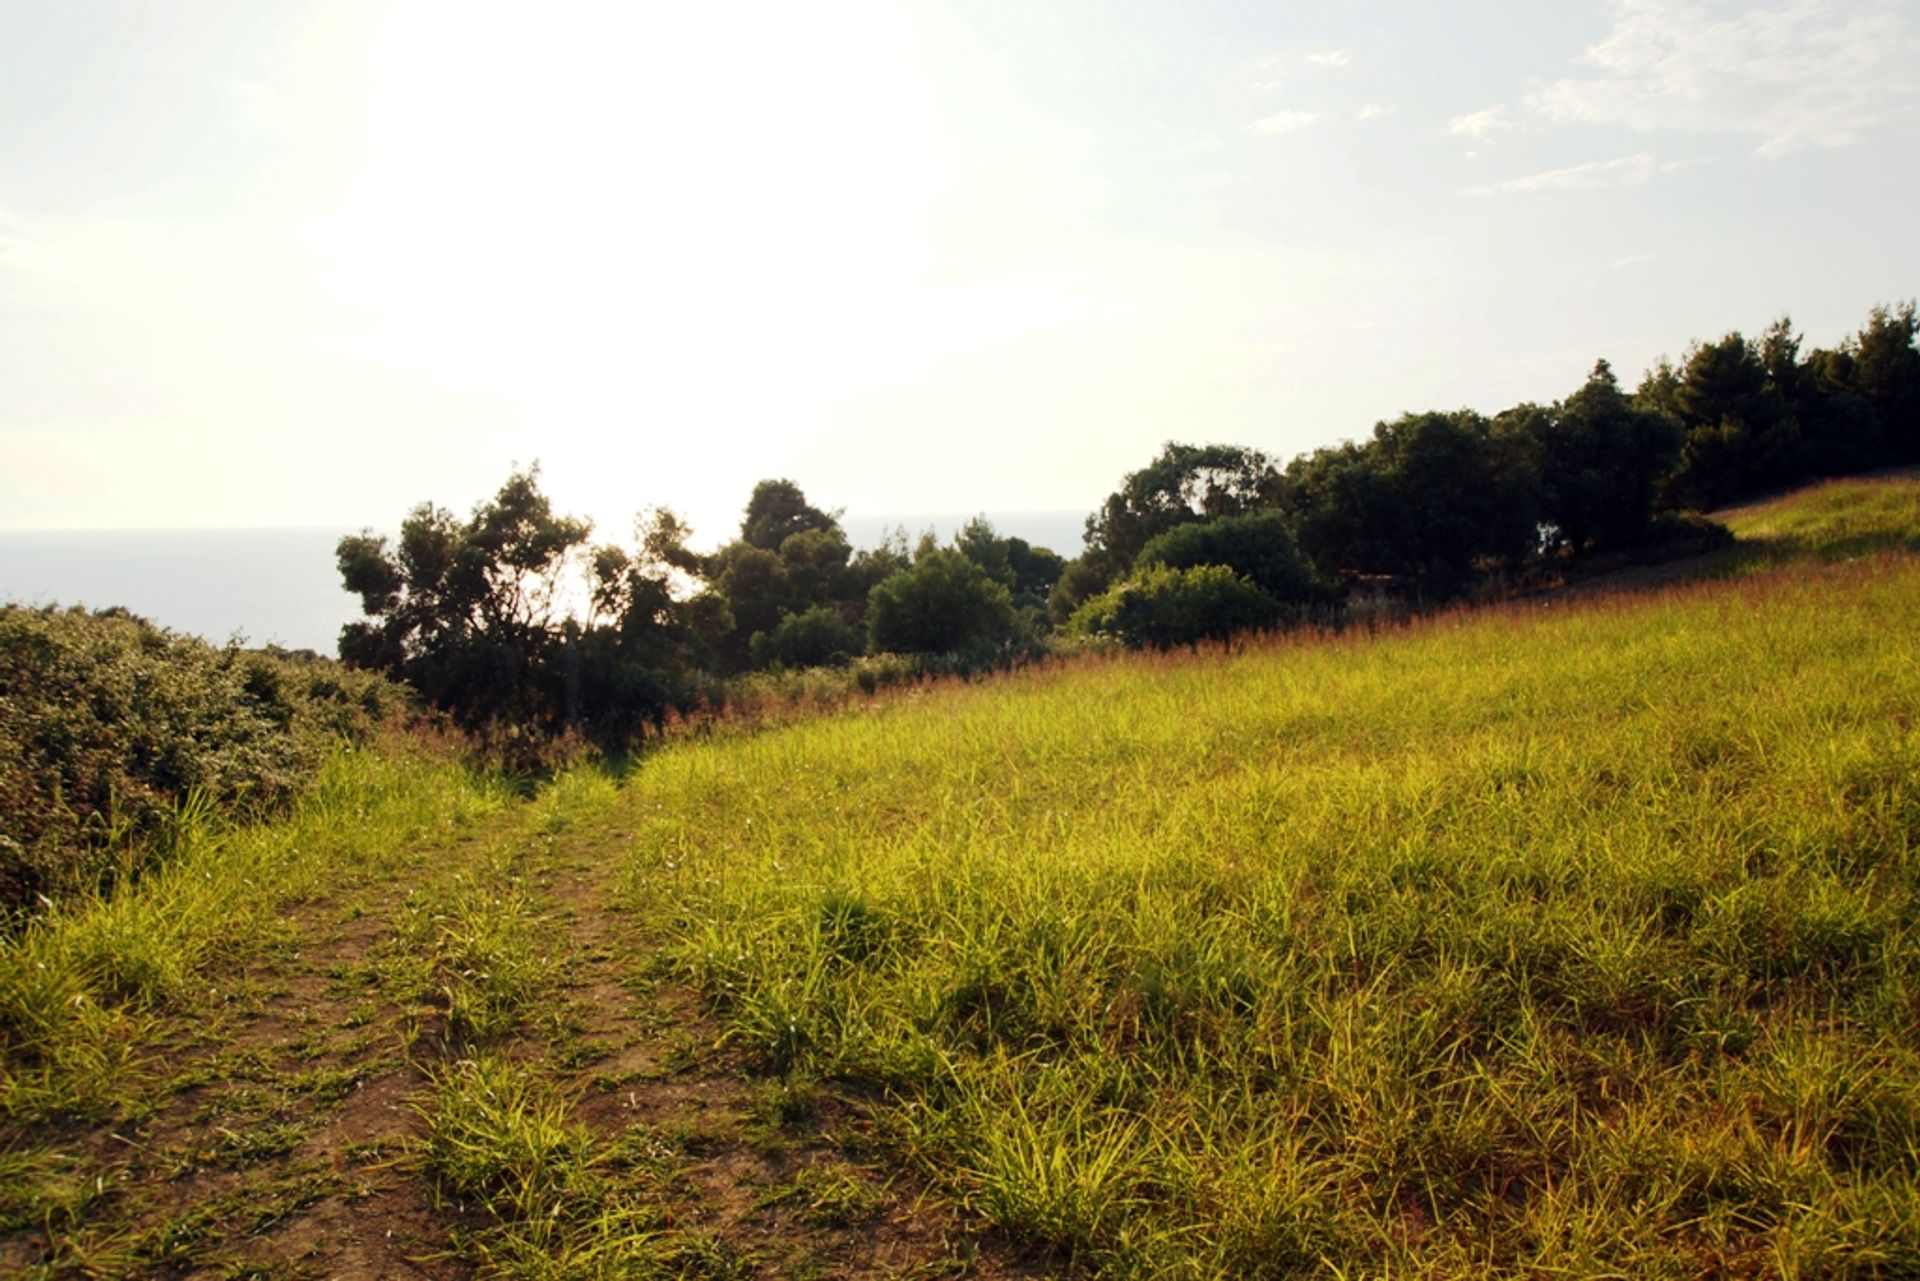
280	1122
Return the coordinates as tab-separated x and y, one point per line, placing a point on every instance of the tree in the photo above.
1843	429
1740	433
753	581
777	511
789	558
1886	371
1343	508
1185	483
817	566
1428	499
1081	579
1601	461
944	604
818	637
1026	571
466	611
1258	546
475	616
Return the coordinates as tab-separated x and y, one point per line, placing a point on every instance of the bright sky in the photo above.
274	263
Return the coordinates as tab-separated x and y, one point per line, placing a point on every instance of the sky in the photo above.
267	263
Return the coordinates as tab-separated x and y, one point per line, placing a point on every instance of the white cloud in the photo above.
1374	110
1805	73
1480	124
1628	171
1286	122
1634	260
1330	58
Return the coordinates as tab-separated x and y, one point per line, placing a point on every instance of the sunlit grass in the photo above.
1519	941
1837	519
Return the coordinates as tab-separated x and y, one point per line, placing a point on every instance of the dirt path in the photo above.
279	1131
262	1138
776	1181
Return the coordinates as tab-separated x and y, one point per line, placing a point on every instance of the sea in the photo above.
281	587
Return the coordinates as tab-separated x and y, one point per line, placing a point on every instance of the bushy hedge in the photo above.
1158	607
111	728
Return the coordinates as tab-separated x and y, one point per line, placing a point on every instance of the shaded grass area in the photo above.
1519	941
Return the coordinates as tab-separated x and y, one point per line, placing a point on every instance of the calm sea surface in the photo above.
280	586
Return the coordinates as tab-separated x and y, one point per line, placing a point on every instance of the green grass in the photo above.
1518	942
1837	519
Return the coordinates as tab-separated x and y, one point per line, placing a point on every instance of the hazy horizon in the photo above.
269	263
279	584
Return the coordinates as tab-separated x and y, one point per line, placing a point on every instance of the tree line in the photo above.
1202	542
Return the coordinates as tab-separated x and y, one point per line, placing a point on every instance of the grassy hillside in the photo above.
1835	520
1521	942
1572	937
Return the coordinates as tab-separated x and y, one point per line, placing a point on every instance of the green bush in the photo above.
112	729
945	604
818	637
1160	607
1258	546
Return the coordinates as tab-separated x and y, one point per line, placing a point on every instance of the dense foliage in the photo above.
1161	607
478	616
474	614
112	729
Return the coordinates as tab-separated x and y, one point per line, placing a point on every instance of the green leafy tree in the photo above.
944	604
1258	546
467	611
790	557
477	616
1886	371
1740	431
754	583
777	511
871	566
1081	579
1843	428
1429	499
1601	461
1344	510
817	637
1185	483
1026	571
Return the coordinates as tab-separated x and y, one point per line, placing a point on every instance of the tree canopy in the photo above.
510	616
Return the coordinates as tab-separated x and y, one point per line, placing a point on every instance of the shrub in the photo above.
1163	607
1258	546
944	604
819	637
110	727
